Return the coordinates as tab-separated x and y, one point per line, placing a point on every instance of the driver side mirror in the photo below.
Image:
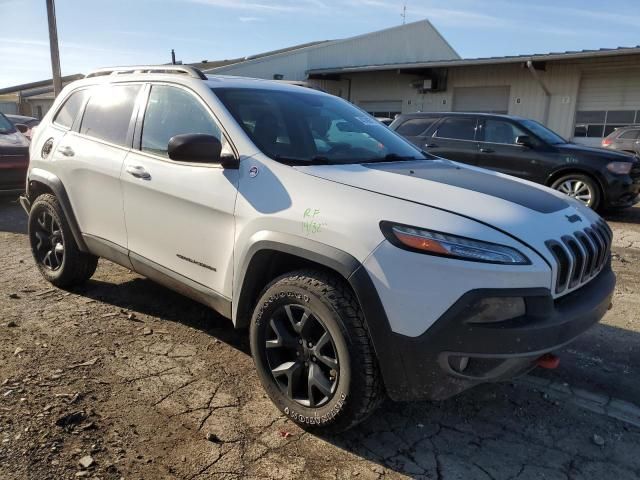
21	127
195	147
524	140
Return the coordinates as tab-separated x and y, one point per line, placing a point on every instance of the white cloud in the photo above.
251	19
264	6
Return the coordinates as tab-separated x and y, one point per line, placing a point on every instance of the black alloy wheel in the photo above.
49	242
302	355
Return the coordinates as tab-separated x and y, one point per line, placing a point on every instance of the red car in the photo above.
14	157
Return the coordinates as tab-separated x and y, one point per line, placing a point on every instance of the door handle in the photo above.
430	145
67	151
138	171
486	150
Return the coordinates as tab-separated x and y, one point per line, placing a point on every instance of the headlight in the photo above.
621	168
452	246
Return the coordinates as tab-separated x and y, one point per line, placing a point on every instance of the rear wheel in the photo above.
313	353
54	249
581	187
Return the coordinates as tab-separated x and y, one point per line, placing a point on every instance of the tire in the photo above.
588	190
351	390
54	249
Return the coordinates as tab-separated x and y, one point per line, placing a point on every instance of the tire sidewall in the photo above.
284	294
37	208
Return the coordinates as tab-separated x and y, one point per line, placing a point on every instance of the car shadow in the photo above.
626	215
12	218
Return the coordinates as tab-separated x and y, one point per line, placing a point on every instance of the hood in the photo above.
530	212
15	139
594	152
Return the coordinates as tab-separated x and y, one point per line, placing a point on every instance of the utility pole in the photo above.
53	46
404	13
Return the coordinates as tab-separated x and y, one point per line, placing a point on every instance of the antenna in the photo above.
404	13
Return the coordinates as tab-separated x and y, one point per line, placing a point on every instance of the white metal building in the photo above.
582	95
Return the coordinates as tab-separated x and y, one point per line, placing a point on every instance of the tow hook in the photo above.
548	361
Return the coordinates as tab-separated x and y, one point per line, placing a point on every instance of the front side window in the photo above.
67	114
108	112
463	128
303	127
415	127
499	131
173	111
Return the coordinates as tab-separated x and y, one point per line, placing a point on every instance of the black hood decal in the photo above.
449	173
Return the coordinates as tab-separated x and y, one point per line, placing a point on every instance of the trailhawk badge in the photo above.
253	172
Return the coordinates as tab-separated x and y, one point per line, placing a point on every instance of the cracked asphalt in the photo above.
137	382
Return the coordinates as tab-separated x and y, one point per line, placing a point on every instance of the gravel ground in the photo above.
125	379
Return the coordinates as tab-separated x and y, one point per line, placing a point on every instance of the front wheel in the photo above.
581	187
313	353
54	249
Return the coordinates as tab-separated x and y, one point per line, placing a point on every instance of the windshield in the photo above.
301	127
5	125
542	132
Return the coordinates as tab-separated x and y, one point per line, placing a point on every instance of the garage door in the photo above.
606	100
8	107
383	108
481	99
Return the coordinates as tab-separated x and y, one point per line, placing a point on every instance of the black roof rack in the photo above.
179	69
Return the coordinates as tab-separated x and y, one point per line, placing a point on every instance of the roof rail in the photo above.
180	69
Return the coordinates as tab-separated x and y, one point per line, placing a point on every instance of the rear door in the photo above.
454	138
92	158
498	150
415	129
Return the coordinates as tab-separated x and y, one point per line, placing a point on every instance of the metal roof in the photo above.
536	57
40	84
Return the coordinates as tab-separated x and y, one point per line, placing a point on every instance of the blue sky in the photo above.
96	33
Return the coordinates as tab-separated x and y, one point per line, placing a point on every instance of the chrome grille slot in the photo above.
579	260
581	256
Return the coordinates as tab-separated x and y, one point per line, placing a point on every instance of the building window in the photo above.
385	114
600	123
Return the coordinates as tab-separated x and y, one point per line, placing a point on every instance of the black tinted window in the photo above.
173	111
415	126
498	131
457	128
67	114
630	134
108	112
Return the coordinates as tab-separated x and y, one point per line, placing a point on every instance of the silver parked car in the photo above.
623	139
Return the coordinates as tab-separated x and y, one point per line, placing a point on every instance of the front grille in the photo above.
581	256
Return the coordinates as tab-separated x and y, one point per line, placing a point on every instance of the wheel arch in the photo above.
271	254
41	181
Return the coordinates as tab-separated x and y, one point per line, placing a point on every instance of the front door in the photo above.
498	151
179	216
454	138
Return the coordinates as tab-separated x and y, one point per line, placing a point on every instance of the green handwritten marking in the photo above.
311	222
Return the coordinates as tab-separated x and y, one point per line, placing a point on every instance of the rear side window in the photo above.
67	114
415	126
173	111
630	134
108	113
463	128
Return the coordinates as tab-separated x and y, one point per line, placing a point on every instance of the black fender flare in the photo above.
347	267
56	186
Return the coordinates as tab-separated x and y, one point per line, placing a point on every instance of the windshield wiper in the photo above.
317	160
391	157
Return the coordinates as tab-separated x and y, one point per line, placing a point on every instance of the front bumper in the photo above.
623	191
430	366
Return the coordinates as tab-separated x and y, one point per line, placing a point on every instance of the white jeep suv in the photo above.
361	265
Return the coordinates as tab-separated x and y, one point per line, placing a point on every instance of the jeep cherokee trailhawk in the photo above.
362	266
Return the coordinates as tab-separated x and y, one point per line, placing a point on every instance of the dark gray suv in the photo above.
624	139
